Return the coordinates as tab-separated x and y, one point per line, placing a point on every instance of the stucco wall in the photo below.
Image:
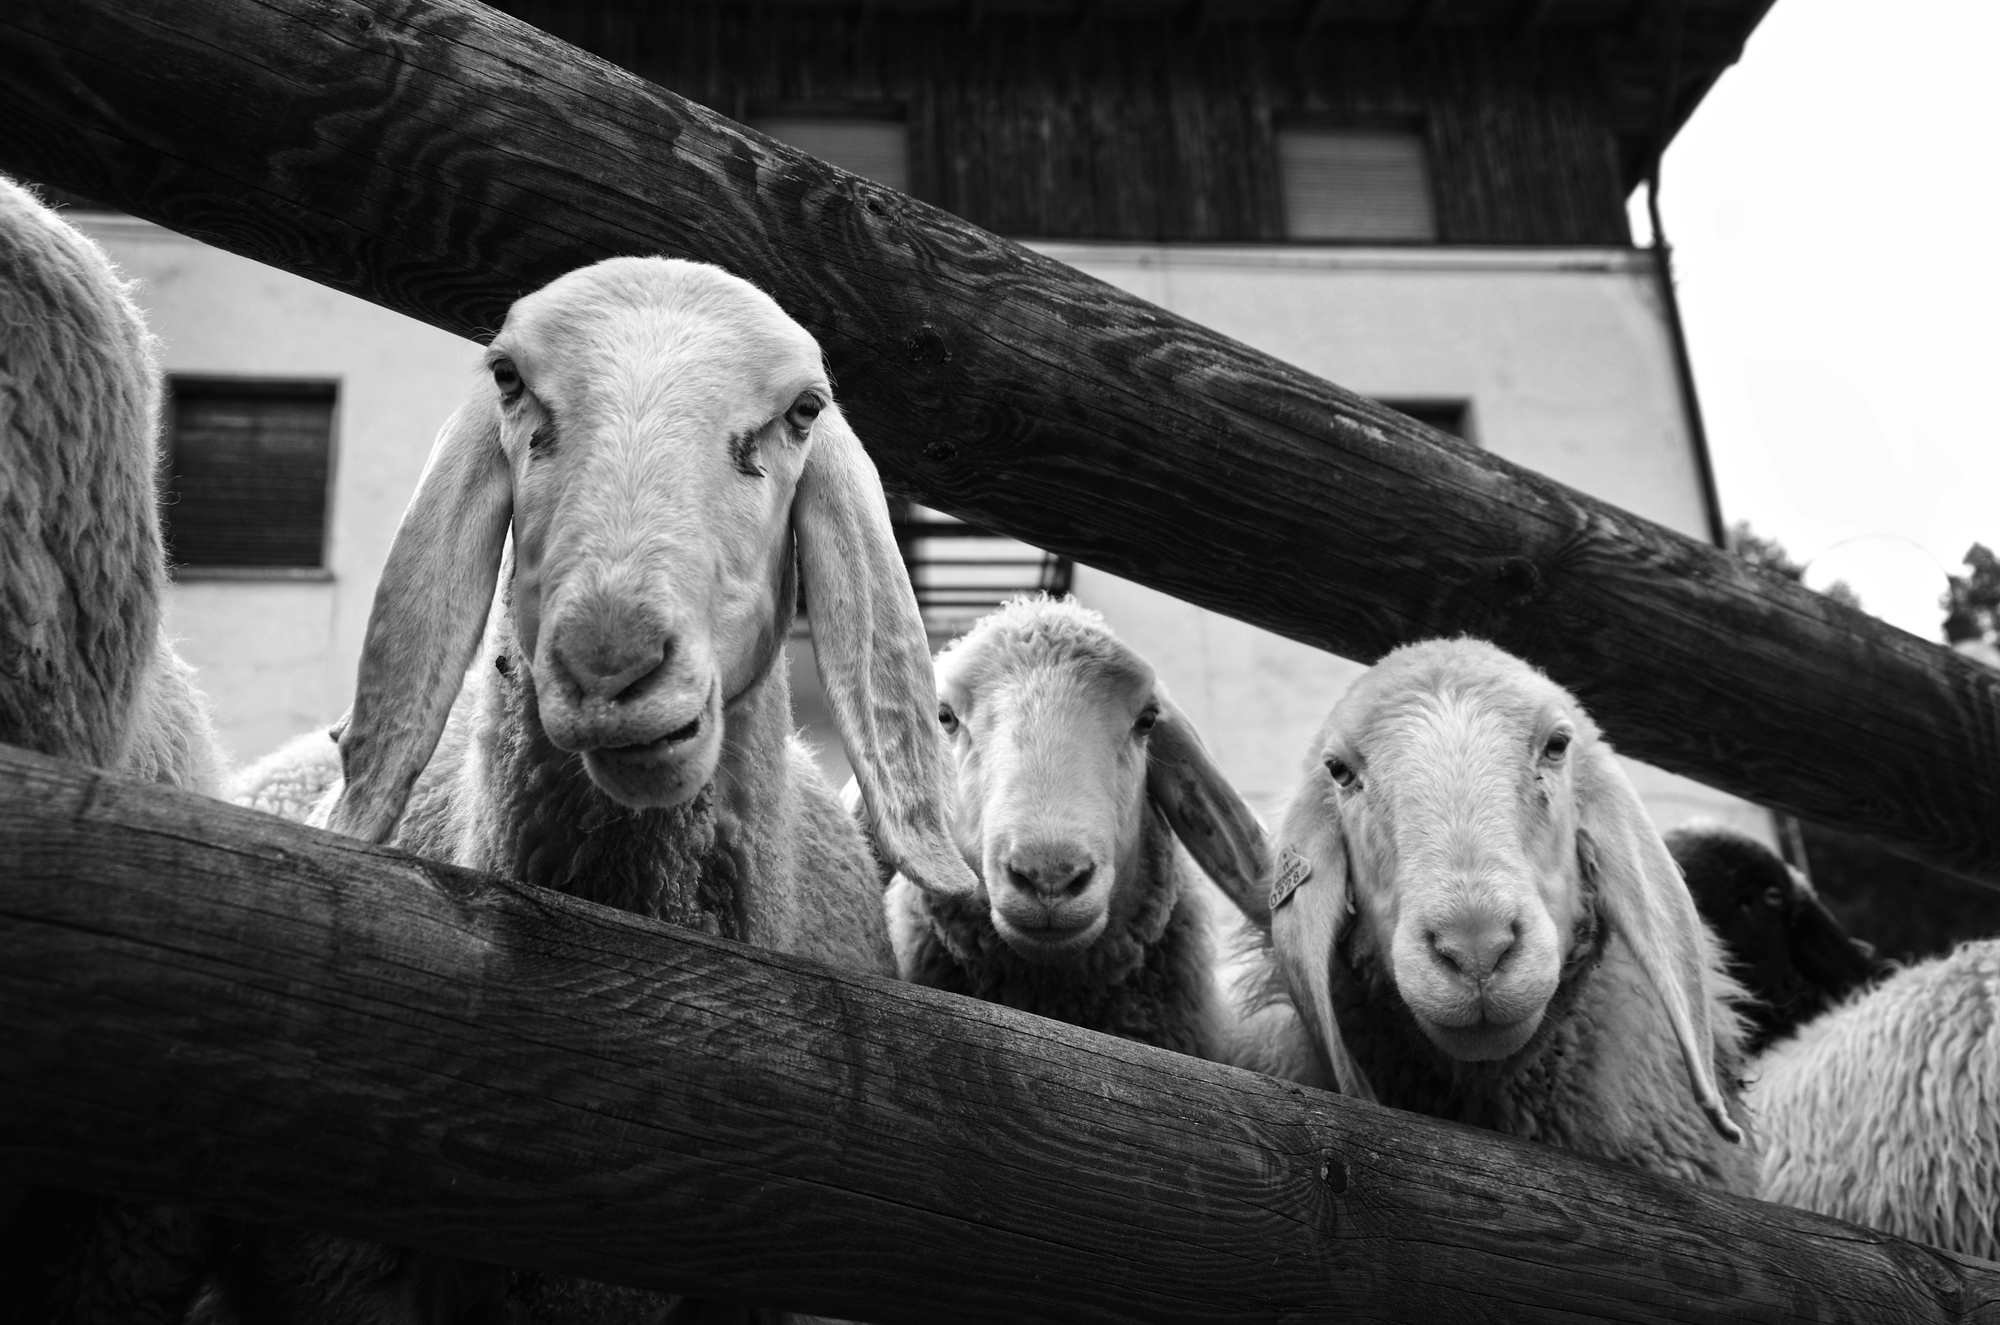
278	656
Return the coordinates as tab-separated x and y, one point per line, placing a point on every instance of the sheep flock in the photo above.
574	676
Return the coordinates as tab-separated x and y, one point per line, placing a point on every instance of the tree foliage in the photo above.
1972	601
1770	554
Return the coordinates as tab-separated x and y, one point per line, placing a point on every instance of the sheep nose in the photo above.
613	657
1051	873
1473	946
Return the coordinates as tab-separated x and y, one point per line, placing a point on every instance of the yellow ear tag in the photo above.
1293	870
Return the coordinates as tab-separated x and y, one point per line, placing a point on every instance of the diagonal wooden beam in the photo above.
439	158
212	1006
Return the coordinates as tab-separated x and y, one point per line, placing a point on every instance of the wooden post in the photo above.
217	1007
440	158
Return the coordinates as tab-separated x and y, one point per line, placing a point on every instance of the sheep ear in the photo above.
430	609
1646	902
1311	905
874	658
1219	830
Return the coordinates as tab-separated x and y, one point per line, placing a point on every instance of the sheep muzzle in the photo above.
1477	975
638	698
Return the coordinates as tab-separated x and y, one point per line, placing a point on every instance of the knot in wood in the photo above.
1518	579
926	345
1333	1171
941	451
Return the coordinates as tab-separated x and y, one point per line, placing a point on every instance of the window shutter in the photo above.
1355	184
1447	416
247	478
877	149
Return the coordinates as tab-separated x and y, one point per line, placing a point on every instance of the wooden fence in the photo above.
440	158
215	1007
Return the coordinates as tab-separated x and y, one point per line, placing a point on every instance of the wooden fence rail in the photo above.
440	158
220	1008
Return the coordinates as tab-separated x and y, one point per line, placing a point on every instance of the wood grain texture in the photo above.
1139	125
215	1006
440	159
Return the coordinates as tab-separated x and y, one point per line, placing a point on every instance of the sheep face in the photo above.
657	439
1051	744
1462	821
656	427
1460	811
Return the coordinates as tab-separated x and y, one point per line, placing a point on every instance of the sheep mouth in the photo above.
658	745
664	771
1483	1040
1049	942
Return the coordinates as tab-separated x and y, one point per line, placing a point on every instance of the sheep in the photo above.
1083	791
659	437
1886	1110
1792	955
87	671
1478	922
291	780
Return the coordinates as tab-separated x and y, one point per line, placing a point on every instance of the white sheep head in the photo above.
1065	742
1464	810
656	434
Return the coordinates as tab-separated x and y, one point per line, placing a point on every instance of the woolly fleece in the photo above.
1886	1111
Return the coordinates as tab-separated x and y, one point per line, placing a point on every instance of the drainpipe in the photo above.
1663	267
1786	828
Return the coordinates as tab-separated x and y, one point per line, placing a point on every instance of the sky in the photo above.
1832	209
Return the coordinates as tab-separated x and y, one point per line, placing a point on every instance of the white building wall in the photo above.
277	655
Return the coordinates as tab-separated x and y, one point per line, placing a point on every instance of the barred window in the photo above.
961	571
248	467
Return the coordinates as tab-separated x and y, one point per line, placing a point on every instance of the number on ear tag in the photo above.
1293	870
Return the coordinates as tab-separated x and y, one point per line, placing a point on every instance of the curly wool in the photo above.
1886	1111
85	671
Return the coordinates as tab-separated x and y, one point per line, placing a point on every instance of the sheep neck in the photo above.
554	828
1144	979
1517	1095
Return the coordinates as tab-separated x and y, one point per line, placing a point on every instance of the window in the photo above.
248	463
875	148
1451	416
960	571
1355	184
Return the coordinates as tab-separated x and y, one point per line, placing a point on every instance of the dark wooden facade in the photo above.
1158	122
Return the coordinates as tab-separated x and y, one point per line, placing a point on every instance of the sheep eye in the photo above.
947	720
803	411
1147	717
1338	769
1774	899
508	379
1558	743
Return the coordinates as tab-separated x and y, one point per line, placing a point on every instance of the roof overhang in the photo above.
1642	45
